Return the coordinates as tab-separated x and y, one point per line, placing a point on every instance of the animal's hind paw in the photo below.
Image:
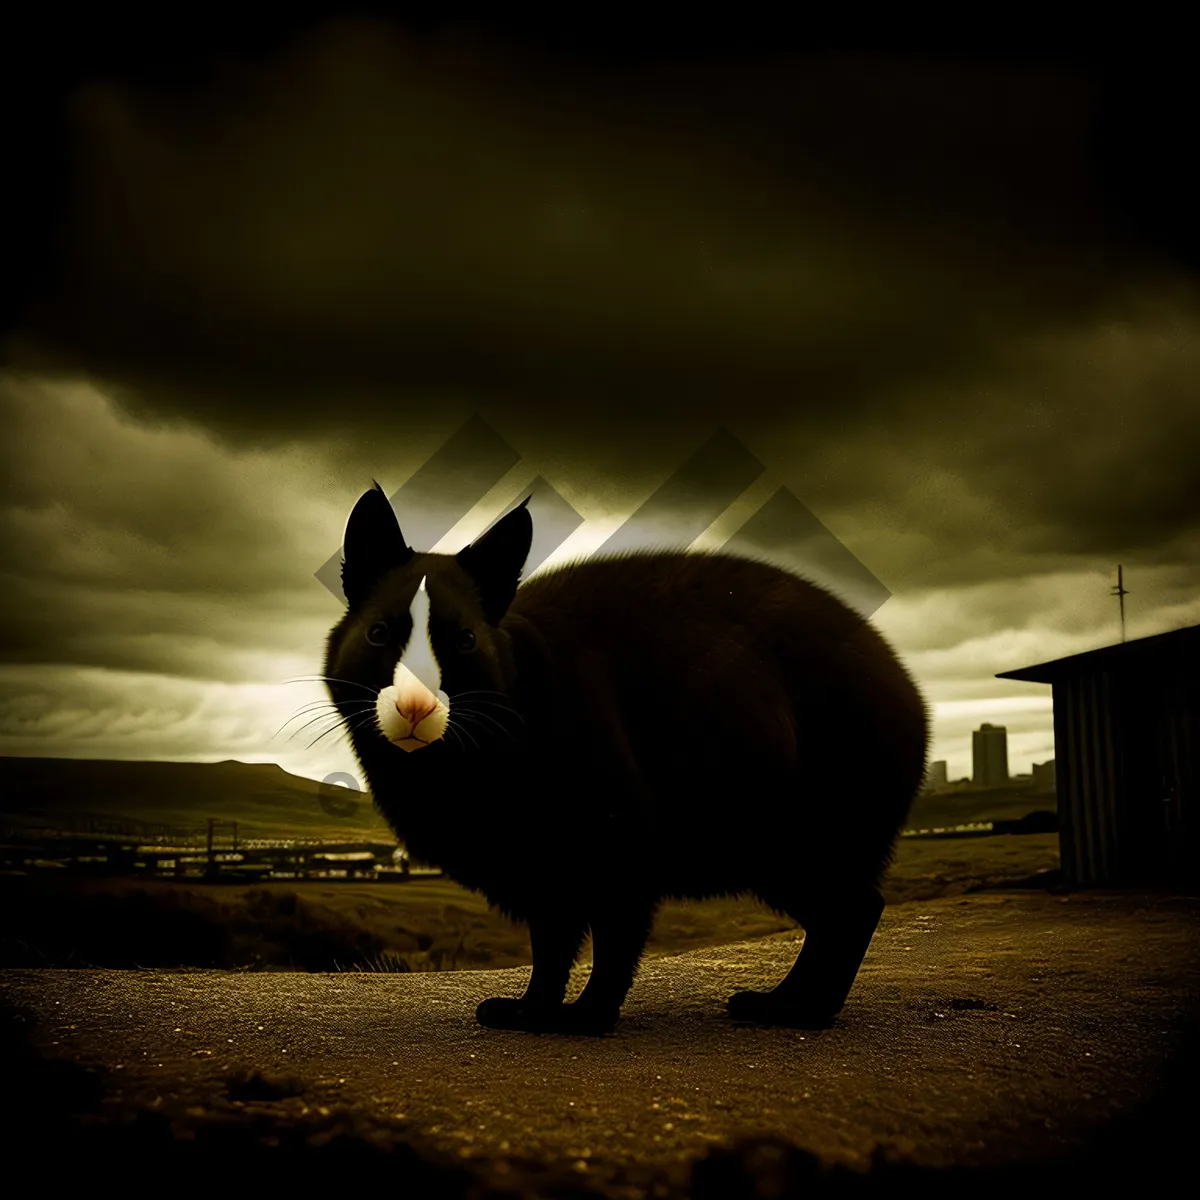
771	1008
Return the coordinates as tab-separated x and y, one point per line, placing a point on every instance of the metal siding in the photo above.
1157	786
1087	778
1179	750
1109	771
1081	739
1065	782
1188	740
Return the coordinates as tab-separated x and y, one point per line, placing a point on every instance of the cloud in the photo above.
1074	450
89	712
410	220
98	588
157	549
891	278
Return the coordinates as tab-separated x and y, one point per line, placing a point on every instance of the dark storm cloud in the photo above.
1075	448
439	218
867	257
1102	429
153	549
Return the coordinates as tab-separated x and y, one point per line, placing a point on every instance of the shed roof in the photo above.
1141	651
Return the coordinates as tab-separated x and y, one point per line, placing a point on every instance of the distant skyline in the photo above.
903	279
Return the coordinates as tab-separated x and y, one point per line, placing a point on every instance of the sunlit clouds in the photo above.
159	590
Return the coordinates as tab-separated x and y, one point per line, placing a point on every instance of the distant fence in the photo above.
212	853
107	827
974	828
149	833
1039	821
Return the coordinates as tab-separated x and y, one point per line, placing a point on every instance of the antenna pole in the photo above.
1121	592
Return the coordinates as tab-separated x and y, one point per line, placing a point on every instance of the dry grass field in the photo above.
428	923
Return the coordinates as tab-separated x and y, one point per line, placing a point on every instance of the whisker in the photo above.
504	708
461	731
362	722
487	729
477	700
331	729
466	712
319	717
324	705
507	708
286	723
316	704
298	732
500	719
484	692
330	702
354	706
324	716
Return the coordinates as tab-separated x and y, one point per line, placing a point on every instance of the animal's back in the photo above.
766	717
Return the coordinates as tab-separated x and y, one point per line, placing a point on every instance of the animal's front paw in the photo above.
504	1012
772	1008
588	1018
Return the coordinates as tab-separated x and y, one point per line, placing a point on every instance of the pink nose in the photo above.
415	709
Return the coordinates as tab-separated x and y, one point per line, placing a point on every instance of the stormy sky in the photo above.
917	285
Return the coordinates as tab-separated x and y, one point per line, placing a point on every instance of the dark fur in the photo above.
647	726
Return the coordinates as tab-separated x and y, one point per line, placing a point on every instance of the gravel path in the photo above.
981	1029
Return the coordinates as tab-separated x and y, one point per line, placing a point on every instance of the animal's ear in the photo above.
495	559
373	545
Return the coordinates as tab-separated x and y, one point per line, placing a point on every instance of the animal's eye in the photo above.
378	634
465	641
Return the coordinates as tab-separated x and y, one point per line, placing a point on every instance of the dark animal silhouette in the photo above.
622	730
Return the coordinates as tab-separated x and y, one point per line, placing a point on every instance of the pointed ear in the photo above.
373	545
495	559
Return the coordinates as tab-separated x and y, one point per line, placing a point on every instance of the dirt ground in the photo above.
984	1031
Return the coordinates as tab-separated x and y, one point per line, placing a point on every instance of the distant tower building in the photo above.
989	744
936	778
1043	776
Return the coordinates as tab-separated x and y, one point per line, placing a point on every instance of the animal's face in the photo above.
419	658
412	710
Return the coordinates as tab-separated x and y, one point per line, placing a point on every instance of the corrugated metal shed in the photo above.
1127	759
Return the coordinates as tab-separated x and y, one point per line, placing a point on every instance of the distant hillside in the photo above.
263	798
268	802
